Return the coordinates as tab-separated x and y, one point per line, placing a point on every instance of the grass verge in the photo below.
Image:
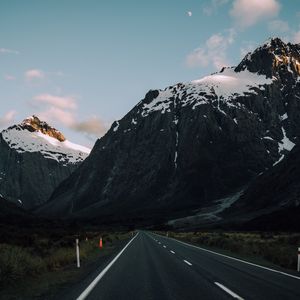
32	270
277	248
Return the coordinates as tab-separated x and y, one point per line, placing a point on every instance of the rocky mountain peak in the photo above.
34	159
274	43
34	124
273	58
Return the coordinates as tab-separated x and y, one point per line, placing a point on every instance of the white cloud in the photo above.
246	48
34	74
8	118
213	52
296	37
198	58
8	51
55	114
213	6
293	36
9	77
63	110
278	26
189	13
247	13
215	41
93	126
57	101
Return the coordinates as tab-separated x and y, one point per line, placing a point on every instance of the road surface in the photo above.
156	267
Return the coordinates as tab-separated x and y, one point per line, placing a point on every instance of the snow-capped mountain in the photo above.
34	159
33	135
184	148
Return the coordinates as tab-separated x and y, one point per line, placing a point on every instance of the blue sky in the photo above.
81	64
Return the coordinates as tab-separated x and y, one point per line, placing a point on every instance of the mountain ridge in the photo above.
34	159
33	124
190	144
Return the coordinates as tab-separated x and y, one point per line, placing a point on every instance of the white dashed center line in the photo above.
164	246
172	252
228	291
187	262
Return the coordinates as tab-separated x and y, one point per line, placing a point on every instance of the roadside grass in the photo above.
49	256
278	248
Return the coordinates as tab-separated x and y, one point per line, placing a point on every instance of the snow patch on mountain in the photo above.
284	144
283	117
160	103
22	140
116	127
224	86
230	84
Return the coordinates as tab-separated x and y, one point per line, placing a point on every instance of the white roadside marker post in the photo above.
298	267
77	253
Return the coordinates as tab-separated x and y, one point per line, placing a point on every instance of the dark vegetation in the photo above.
277	248
36	250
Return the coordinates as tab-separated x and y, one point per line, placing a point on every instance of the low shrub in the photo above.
280	249
16	262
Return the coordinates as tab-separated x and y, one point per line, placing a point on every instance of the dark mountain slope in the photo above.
272	201
34	159
186	146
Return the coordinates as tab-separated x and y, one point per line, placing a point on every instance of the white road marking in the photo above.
172	252
86	292
164	246
159	242
187	262
239	260
227	290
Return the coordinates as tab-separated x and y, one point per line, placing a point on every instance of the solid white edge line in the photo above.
227	290
187	262
236	259
86	292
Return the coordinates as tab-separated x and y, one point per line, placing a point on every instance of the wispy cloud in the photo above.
213	6
296	37
56	114
7	119
246	48
276	26
63	110
34	74
247	13
67	102
9	51
93	126
214	51
9	77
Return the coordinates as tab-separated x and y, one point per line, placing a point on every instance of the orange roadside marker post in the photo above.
100	243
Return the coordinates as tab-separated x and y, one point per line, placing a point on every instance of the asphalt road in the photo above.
156	267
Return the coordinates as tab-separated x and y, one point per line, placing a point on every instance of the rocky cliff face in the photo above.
34	124
184	147
276	189
34	159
